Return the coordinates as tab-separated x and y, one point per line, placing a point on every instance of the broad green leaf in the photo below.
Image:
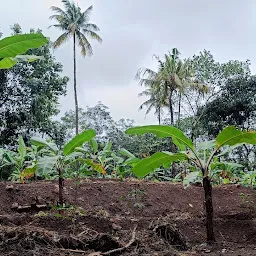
206	145
22	147
28	58
94	145
80	149
229	150
226	181
163	131
46	164
28	173
190	178
180	145
132	161
107	147
73	156
229	166
127	153
78	141
19	44
39	142
231	136
7	63
9	157
148	165
97	167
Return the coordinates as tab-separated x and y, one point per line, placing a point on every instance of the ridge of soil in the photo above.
108	210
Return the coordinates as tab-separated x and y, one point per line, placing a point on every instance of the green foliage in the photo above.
163	132
78	141
232	106
11	48
29	94
228	137
148	165
173	79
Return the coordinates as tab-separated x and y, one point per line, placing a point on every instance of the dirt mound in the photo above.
168	219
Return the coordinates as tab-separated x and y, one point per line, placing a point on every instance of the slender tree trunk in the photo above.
171	108
179	109
159	116
75	89
209	209
61	186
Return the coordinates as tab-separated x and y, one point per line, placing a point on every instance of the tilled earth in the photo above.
108	217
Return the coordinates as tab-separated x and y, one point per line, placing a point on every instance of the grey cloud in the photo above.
135	30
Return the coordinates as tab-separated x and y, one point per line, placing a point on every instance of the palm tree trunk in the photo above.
171	108
159	116
179	110
75	89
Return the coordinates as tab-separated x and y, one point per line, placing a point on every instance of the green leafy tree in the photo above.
215	75
196	155
29	94
173	77
97	117
75	24
233	106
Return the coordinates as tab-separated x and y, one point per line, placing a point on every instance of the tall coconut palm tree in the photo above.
74	23
154	91
156	101
177	76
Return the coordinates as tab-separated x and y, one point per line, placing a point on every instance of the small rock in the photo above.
116	227
15	206
9	187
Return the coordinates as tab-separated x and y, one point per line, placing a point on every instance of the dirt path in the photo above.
159	211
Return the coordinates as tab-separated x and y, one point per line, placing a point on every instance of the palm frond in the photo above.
58	10
86	48
145	72
68	4
92	35
87	13
90	26
57	26
61	39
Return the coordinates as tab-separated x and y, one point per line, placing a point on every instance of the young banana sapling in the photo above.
230	136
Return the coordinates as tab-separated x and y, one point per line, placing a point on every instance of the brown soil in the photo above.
169	220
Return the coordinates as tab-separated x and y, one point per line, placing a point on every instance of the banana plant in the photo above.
248	179
107	162
60	159
225	172
230	136
11	48
18	161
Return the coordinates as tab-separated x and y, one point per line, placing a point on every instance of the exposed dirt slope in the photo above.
160	211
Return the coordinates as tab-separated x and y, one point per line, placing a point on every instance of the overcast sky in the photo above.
132	32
